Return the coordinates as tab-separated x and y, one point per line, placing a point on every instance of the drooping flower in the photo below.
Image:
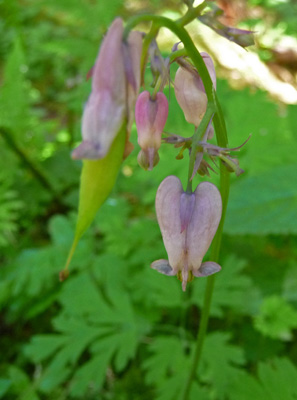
150	117
188	223
190	92
115	84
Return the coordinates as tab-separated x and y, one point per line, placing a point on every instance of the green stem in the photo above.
176	54
197	137
145	47
191	14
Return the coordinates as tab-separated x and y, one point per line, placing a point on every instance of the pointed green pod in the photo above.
96	182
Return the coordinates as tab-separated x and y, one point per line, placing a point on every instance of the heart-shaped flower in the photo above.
188	223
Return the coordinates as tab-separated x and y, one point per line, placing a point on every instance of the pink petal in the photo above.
204	223
168	215
187	203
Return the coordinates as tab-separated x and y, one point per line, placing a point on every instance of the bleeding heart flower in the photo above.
116	78
190	92
188	223
150	117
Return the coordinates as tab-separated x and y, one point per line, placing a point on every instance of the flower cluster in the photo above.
188	219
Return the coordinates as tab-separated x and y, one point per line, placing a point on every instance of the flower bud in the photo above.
188	223
150	118
108	107
190	92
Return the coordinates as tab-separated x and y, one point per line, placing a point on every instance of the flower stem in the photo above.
191	14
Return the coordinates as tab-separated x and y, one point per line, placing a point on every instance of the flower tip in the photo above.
87	150
163	267
148	159
207	268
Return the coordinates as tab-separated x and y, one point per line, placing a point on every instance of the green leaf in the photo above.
10	207
276	319
164	291
290	283
168	368
102	324
276	380
232	288
37	269
14	100
220	362
4	386
17	385
264	204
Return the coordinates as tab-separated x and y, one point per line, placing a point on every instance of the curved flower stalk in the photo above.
116	81
189	89
150	117
188	223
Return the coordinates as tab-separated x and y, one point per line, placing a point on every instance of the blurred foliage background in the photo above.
116	329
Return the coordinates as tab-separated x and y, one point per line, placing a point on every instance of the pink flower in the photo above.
150	118
116	78
188	223
190	92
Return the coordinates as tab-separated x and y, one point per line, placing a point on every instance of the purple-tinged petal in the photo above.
98	129
187	202
204	223
163	267
190	97
115	84
168	215
190	91
210	67
132	68
207	268
150	118
109	71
